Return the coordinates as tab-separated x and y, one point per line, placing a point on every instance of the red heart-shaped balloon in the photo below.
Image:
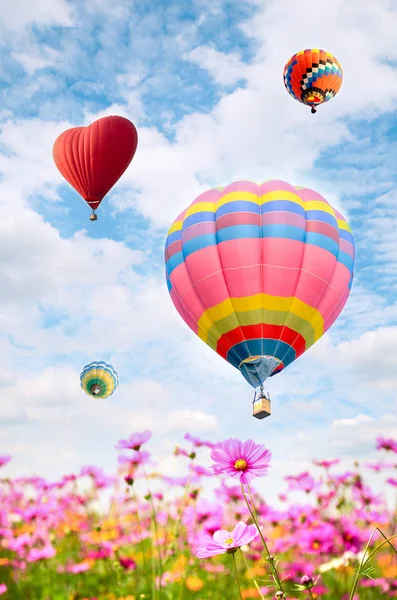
93	158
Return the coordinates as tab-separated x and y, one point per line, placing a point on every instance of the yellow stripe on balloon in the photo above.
277	195
176	226
318	205
344	225
238	196
200	207
260	301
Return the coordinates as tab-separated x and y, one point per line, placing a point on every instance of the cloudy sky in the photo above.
202	81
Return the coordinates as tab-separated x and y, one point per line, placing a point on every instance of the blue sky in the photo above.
203	84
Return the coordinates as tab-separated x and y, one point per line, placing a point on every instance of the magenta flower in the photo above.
197	442
3	588
223	542
244	460
386	444
327	464
4	460
135	441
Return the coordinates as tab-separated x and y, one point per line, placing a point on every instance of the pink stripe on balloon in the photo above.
283	218
182	311
181	216
173	249
338	286
323	228
180	279
207	196
249	251
347	247
241	186
319	262
198	229
276	185
307	195
238	218
203	263
213	290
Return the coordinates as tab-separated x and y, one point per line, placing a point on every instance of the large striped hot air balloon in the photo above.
99	380
259	273
313	77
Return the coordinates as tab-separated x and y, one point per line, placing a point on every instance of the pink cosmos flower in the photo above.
303	481
135	441
4	460
244	460
386	444
327	464
223	542
392	481
3	588
379	466
197	442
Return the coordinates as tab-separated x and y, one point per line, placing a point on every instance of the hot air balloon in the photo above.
99	380
313	77
92	159
259	273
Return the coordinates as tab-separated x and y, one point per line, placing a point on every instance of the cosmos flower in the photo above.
386	444
223	542
327	464
4	460
244	460
135	441
379	466
197	442
303	482
3	588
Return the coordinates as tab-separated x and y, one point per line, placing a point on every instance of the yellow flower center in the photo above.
229	541
240	464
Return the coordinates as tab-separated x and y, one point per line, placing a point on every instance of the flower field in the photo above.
169	538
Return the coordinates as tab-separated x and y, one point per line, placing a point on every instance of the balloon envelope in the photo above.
259	272
313	76
93	158
99	379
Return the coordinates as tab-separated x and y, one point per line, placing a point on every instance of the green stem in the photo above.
140	531
237	578
311	594
155	531
270	559
253	578
364	560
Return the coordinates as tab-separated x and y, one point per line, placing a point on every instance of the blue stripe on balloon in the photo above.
322	241
346	235
237	232
174	262
200	217
173	237
346	260
322	216
284	206
238	206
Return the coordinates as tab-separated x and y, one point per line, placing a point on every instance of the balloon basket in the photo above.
261	408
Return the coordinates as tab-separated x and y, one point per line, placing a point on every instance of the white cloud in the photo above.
17	14
184	419
351	422
226	69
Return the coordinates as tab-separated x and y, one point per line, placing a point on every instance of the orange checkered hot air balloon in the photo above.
313	77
